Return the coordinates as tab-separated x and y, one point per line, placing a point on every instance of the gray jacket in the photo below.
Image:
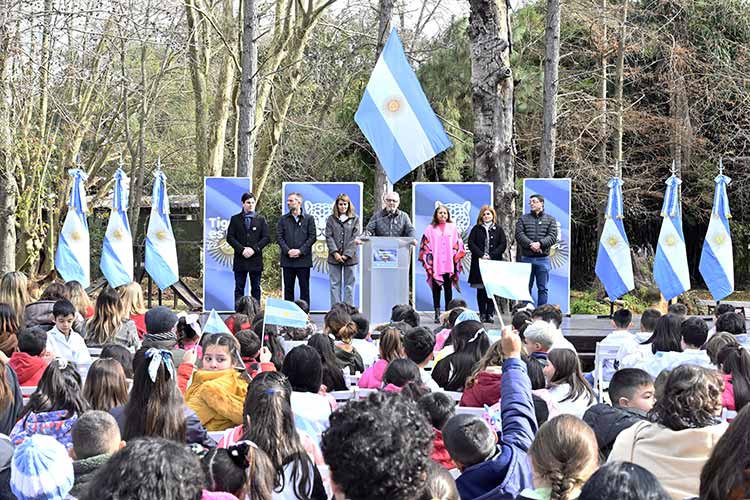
395	224
530	228
340	238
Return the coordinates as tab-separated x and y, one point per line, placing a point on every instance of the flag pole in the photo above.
262	332
497	310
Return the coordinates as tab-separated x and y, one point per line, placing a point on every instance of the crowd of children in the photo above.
123	401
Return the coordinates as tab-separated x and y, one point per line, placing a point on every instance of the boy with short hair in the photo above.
438	407
419	343
62	340
648	322
632	394
539	338
622	320
30	361
492	468
96	437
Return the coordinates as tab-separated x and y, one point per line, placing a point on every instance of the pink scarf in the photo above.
441	252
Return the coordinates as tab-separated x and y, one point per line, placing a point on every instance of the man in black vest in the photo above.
296	234
247	234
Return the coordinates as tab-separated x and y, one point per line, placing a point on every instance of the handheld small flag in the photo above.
670	264
717	261
284	313
214	324
161	249
117	250
614	266
395	116
73	252
509	280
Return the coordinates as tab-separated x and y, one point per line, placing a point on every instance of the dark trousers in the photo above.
447	286
240	278
302	274
484	303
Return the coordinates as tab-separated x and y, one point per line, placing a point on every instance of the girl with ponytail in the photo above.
734	363
563	456
338	322
243	470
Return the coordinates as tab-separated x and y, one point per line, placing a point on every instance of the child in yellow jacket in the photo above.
218	389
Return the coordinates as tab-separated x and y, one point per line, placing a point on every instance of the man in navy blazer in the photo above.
247	234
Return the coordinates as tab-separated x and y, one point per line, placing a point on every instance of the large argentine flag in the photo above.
670	265
396	117
614	267
117	251
717	261
161	250
72	255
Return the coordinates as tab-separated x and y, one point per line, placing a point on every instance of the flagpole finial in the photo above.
78	159
158	163
121	163
674	168
721	166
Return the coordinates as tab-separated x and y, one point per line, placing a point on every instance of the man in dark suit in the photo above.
247	234
296	234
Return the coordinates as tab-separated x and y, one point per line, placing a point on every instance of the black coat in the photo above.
532	227
300	235
608	422
477	238
256	238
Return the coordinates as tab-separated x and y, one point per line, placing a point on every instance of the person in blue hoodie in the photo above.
495	466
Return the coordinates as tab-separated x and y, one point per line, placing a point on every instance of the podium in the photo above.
385	276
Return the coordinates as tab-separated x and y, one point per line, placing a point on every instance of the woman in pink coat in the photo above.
440	253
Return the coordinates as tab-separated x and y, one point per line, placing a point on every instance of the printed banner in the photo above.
463	199
221	201
557	193
318	198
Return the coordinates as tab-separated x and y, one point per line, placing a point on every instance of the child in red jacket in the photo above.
438	407
30	361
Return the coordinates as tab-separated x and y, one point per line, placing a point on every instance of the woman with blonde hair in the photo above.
80	299
133	305
486	241
563	456
110	324
14	291
342	231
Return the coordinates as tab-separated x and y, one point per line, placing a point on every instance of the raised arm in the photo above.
516	405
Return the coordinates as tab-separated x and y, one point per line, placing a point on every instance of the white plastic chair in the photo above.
342	395
603	353
95	352
469	410
291	344
363	393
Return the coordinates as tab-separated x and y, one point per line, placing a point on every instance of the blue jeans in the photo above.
539	273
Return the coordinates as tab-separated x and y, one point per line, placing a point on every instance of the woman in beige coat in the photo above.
683	430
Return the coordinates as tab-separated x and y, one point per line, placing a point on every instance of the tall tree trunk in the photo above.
198	62
603	82
551	83
8	189
248	85
492	101
619	158
385	12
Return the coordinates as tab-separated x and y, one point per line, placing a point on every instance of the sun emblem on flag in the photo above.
670	240
393	104
75	235
719	239
613	241
117	234
161	235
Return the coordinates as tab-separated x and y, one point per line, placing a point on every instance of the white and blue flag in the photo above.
117	250
161	249
284	313
214	324
614	266
670	264
73	252
717	261
509	280
395	116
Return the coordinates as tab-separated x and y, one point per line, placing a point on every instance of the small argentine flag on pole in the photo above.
614	267
717	261
670	264
161	249
284	313
117	251
395	116
72	256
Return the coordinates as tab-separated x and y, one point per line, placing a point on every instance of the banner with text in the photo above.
557	193
318	198
221	201
463	199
